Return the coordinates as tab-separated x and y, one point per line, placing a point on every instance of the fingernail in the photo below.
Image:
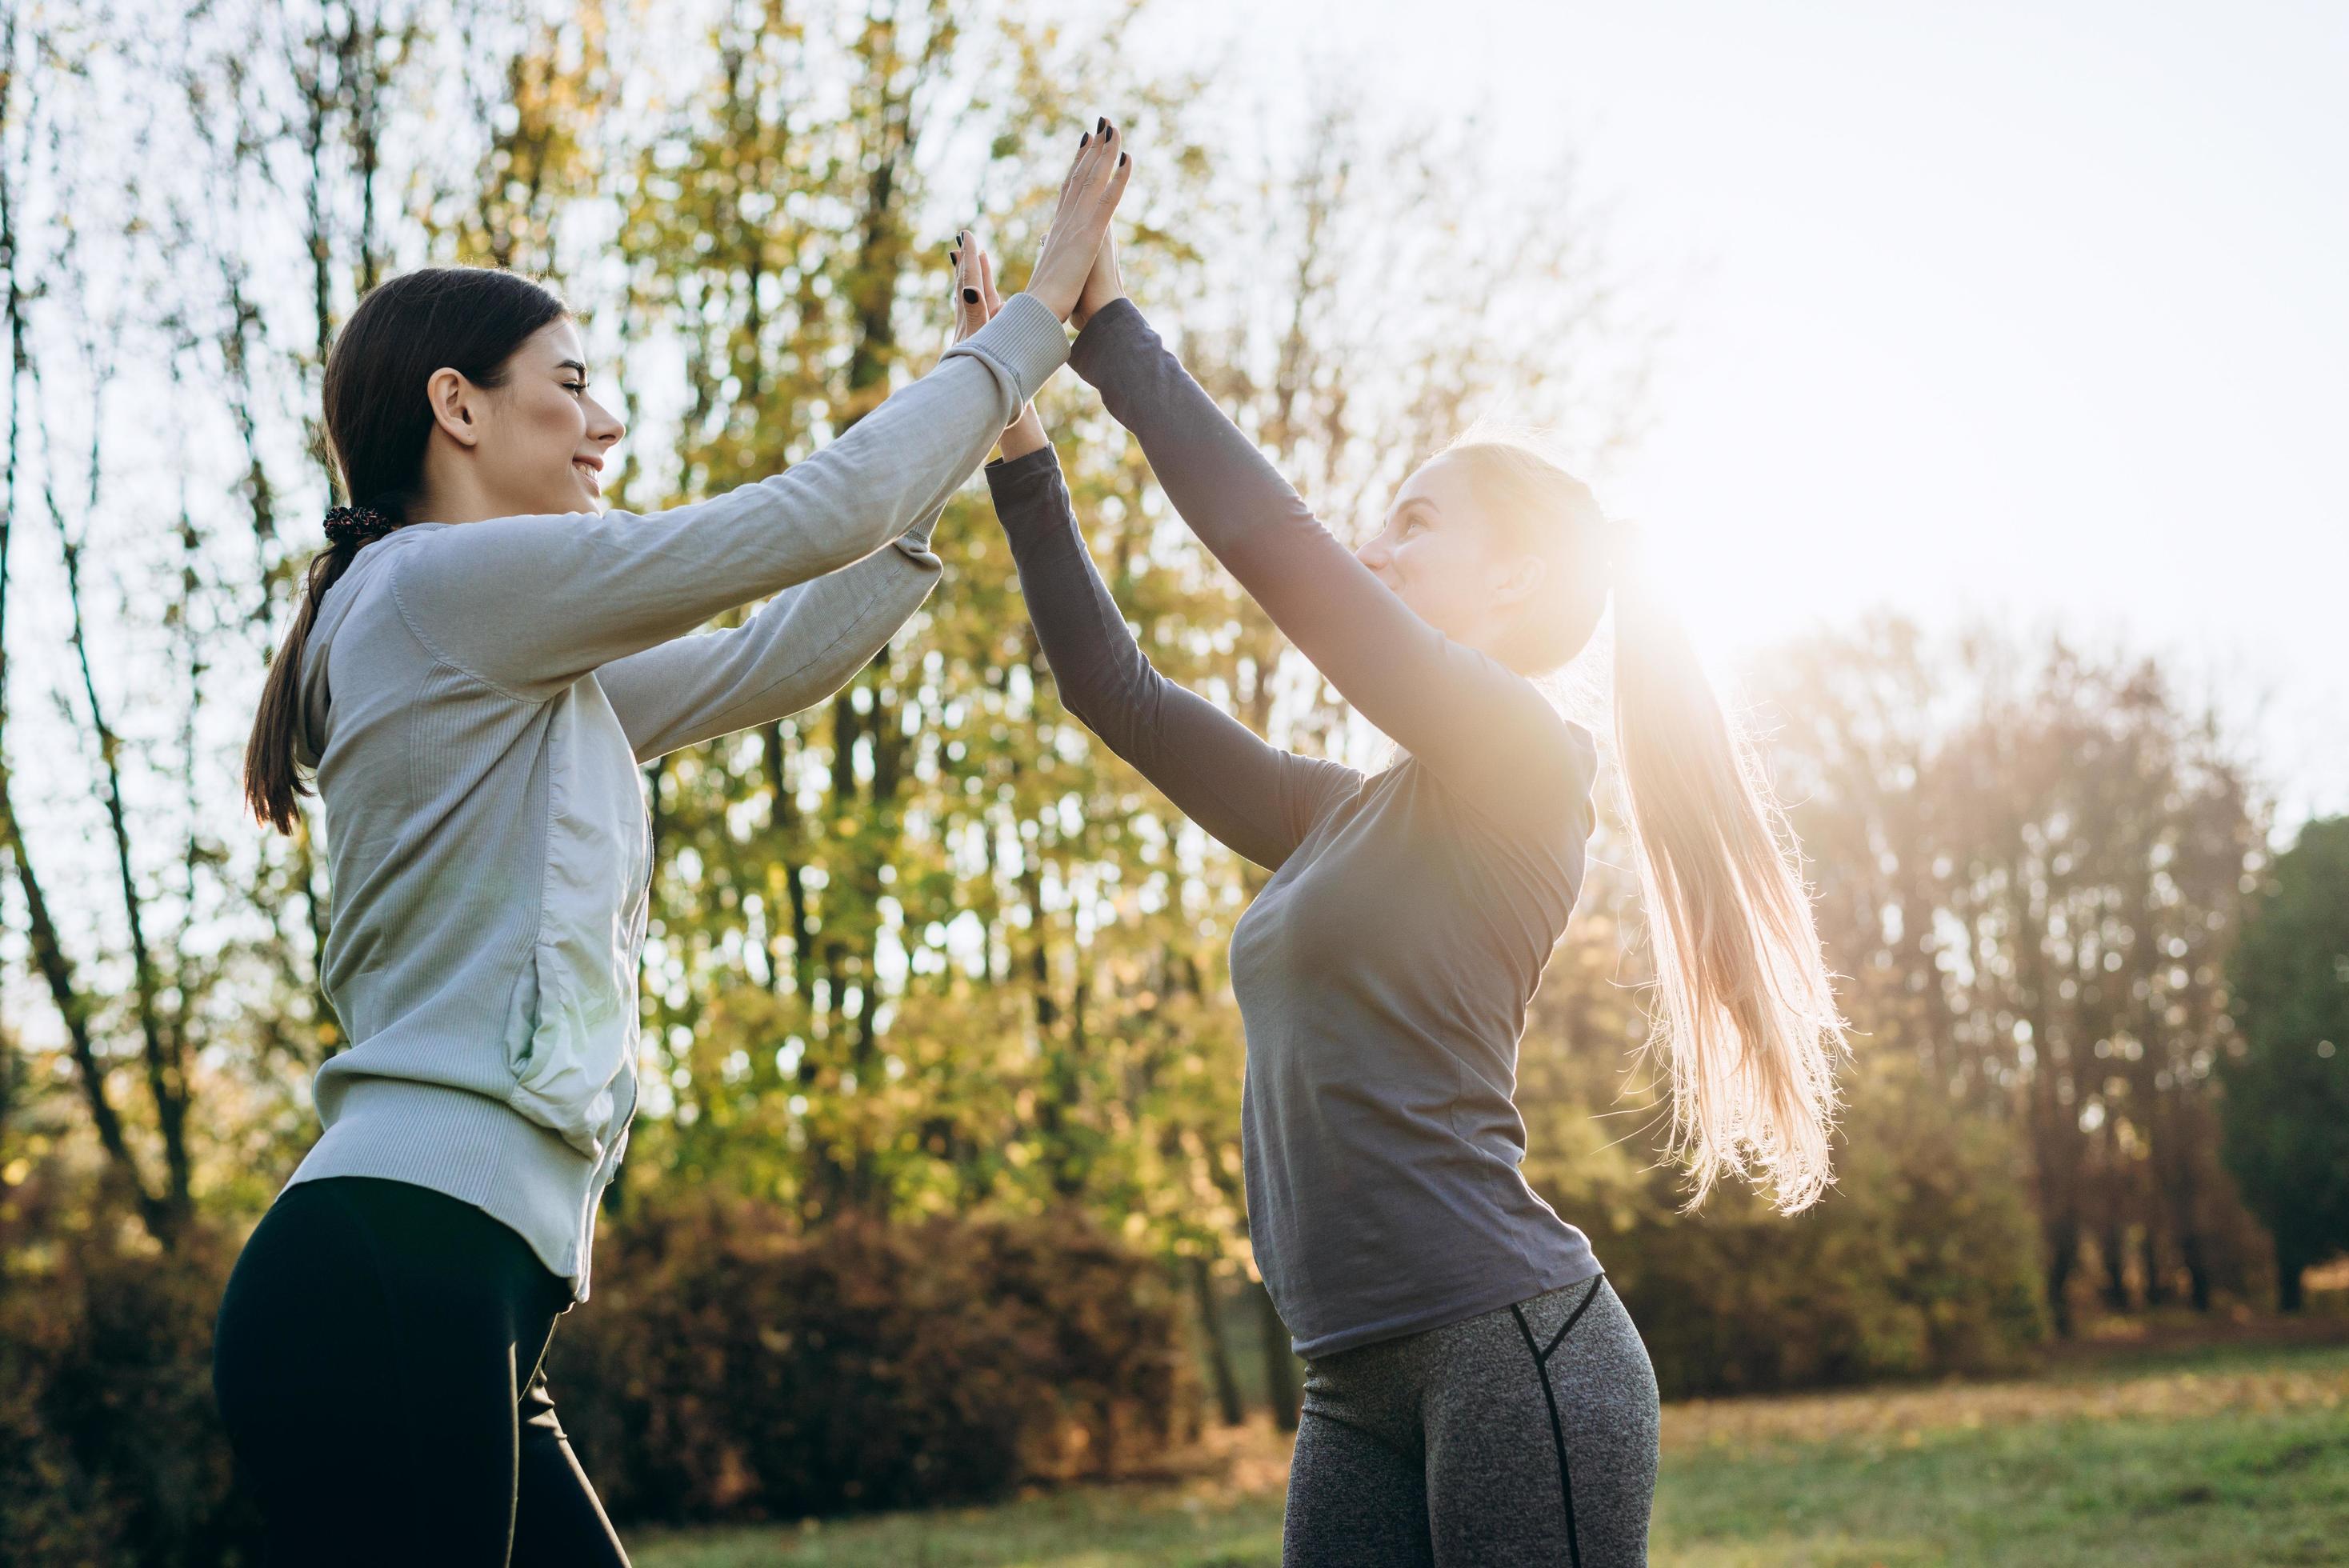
1101	124
1121	160
1086	140
970	297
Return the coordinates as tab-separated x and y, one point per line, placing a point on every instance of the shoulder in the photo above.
1539	785
376	565
368	622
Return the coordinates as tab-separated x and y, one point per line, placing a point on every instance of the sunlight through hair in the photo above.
1744	1015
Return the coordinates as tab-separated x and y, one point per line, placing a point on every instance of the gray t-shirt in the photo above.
1384	971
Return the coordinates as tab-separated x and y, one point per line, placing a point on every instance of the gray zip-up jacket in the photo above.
476	700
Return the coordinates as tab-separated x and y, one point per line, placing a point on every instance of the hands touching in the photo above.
1076	272
1088	196
976	302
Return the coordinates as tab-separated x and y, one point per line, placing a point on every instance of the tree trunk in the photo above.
1280	1363
2062	1251
1219	1352
2157	1278
2198	1269
2115	1261
2288	1264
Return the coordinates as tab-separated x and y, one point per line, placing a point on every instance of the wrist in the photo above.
1061	302
1088	309
1023	435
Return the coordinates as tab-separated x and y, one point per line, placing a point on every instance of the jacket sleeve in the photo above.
528	605
800	646
1252	796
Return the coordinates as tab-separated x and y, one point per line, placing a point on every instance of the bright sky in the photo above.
2040	310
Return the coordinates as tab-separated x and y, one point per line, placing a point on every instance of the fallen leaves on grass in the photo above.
1904	1416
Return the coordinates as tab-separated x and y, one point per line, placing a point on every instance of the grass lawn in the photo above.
2202	1456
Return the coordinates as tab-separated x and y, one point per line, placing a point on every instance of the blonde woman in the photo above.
1475	1392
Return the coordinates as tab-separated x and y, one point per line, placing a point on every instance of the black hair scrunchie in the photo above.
357	525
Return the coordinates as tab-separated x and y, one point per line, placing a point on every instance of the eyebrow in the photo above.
574	364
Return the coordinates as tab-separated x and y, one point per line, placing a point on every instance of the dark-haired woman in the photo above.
1475	1392
480	660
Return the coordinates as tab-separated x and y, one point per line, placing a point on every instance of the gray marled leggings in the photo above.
1527	1436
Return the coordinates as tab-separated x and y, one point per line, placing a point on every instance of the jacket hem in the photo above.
474	1149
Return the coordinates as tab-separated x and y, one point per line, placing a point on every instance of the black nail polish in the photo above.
1086	140
970	297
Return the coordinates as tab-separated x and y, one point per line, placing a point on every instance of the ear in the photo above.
1520	579
455	404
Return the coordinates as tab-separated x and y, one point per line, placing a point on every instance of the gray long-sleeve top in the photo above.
1384	971
476	699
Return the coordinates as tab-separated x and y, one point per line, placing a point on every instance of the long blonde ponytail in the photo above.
1747	1020
1747	1023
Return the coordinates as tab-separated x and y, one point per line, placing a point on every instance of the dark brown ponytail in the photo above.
378	420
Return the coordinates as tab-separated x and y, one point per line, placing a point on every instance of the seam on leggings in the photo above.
1558	1428
1572	1317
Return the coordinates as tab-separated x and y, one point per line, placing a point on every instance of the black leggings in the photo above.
376	1360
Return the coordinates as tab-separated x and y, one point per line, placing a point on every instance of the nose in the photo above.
1373	553
606	427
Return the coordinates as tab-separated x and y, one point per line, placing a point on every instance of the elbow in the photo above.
854	545
1085	706
1088	704
1111	710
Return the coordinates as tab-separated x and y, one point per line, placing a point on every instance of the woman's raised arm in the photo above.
1477	724
1252	796
528	604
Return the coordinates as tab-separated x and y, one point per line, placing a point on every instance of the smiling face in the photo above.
536	442
1444	554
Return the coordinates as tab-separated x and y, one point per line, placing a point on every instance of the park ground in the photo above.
2172	1448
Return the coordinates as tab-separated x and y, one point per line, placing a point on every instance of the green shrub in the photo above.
111	1448
1921	1262
726	1368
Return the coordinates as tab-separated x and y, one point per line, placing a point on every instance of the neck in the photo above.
460	502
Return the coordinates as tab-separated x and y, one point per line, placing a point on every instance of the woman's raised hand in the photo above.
975	304
974	299
1088	196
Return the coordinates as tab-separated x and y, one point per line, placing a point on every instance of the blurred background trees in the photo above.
2286	1110
931	976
